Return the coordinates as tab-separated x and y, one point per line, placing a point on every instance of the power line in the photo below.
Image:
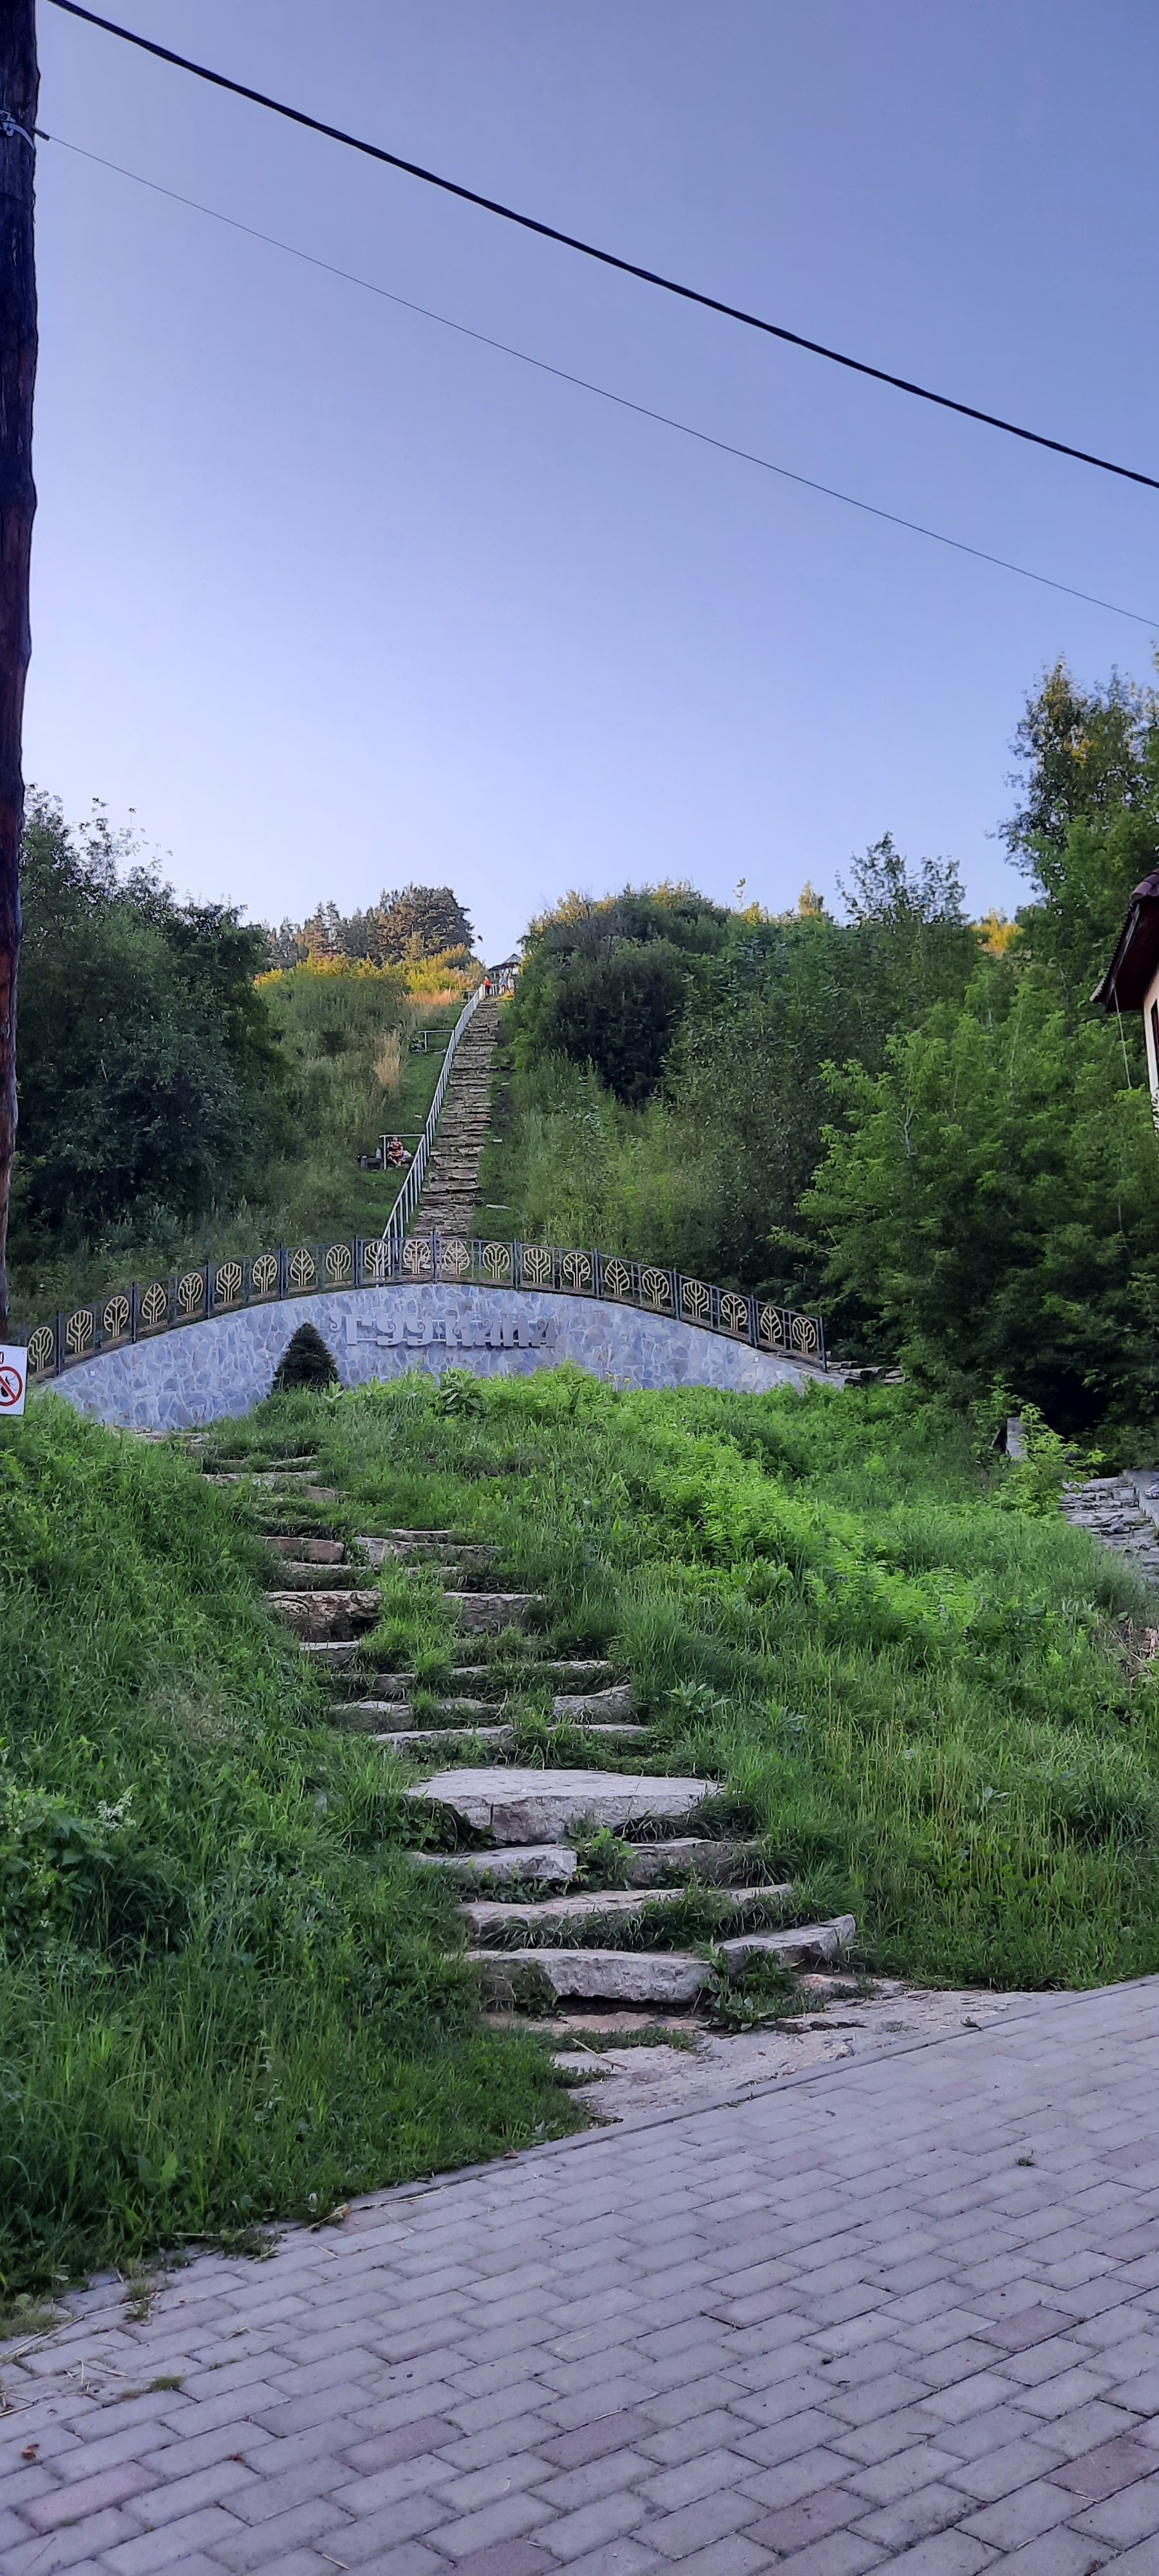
624	402
590	250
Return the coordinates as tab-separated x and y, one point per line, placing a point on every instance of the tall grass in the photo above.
226	1995
827	1608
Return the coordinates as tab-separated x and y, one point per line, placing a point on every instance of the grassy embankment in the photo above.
227	1996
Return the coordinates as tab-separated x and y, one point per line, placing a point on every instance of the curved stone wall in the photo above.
203	1372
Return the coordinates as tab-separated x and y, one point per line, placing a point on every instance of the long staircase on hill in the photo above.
447	1200
523	1781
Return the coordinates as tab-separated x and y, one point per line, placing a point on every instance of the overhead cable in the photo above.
591	250
585	384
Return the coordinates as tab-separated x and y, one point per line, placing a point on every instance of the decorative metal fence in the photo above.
137	1314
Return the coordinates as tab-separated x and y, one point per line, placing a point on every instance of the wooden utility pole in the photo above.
19	87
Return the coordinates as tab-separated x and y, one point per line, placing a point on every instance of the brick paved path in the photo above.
903	2313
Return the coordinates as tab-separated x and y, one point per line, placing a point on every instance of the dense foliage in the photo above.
917	1122
149	1076
405	926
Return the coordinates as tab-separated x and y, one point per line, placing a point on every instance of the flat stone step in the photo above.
647	1865
375	1551
479	1610
332	1654
431	1739
528	1806
487	1915
402	1685
549	1864
690	1856
300	1484
306	1550
808	1947
508	1978
304	1575
580	1706
325	1614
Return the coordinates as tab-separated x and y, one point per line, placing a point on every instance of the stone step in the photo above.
694	1856
432	1739
646	1864
509	1978
806	1948
327	1615
300	1483
673	1977
332	1654
540	1806
303	1574
425	1543
582	1706
306	1550
507	1677
546	1864
489	1915
479	1610
600	1723
303	1458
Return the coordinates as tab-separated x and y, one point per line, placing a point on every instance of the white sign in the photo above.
13	1375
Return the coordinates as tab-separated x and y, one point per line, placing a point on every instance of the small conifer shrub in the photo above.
305	1362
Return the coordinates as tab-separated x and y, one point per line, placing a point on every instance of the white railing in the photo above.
408	1198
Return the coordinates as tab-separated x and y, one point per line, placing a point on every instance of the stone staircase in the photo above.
571	1867
451	1186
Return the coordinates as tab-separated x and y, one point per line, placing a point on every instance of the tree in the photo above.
1086	828
991	1202
150	1078
19	94
412	923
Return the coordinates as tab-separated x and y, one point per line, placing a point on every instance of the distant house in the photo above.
1131	982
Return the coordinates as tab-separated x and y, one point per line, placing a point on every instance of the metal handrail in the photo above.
408	1198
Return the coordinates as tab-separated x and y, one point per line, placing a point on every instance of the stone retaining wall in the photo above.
204	1371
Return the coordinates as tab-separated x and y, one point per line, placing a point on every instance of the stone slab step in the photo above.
532	1806
647	1864
332	1654
306	1550
325	1614
303	1574
549	1864
672	1977
299	1481
401	1686
582	1705
692	1856
807	1948
508	1978
433	1739
375	1551
486	1915
303	1459
481	1610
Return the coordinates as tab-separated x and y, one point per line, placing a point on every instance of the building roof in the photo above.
1135	964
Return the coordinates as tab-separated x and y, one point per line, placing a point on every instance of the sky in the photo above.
330	597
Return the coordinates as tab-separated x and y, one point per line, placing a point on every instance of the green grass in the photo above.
229	1998
918	1699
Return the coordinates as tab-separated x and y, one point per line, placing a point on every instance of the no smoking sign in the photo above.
13	1377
